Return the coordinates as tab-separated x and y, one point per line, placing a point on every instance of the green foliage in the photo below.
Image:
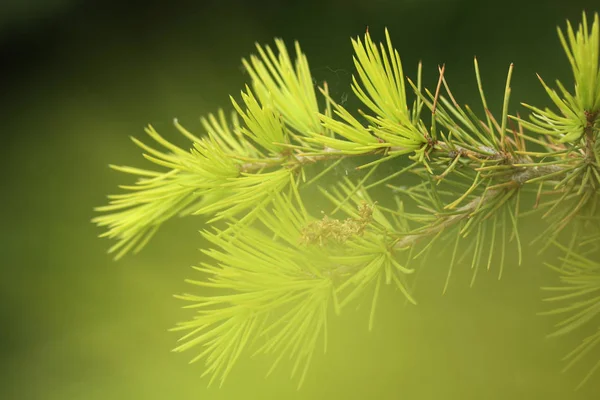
287	305
329	230
580	279
579	110
277	271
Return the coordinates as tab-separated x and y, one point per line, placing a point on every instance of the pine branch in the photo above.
280	268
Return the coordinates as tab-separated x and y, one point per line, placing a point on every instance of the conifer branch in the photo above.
279	269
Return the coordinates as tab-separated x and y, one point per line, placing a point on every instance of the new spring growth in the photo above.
334	231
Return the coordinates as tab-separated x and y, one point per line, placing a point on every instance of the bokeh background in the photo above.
78	77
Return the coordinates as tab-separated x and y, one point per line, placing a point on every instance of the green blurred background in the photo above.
79	77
